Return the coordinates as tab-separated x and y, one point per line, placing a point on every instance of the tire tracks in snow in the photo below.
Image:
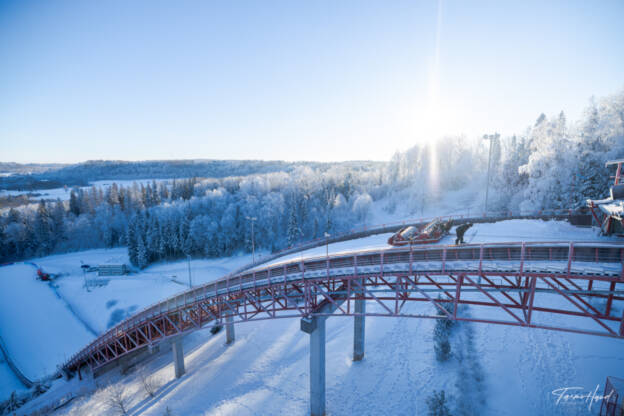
547	365
393	367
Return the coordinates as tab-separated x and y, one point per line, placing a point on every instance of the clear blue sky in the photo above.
293	80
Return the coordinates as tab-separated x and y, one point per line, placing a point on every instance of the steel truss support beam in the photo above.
510	277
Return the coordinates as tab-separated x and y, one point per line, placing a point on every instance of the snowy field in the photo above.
265	372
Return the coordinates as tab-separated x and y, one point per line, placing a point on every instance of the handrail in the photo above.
385	227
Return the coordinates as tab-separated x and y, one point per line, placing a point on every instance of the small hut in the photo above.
609	212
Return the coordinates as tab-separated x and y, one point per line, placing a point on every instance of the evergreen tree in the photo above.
142	255
113	194
293	231
74	203
132	242
43	229
57	217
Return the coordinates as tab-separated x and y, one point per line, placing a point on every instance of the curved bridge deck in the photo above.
505	283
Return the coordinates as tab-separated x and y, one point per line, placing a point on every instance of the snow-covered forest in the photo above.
555	163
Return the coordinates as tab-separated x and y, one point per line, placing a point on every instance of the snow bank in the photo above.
8	381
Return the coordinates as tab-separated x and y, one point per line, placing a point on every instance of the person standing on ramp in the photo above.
460	231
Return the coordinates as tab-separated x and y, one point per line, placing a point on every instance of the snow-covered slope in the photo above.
502	370
38	329
42	326
8	381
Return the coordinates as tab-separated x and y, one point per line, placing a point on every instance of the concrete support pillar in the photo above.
316	328
178	357
359	324
229	330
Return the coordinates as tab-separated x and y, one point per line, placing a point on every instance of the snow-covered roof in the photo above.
599	201
613	209
614	162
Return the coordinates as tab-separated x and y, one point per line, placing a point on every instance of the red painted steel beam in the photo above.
249	295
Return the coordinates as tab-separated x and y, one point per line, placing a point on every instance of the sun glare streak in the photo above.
434	109
434	169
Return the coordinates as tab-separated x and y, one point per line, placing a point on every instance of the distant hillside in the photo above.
27	168
54	176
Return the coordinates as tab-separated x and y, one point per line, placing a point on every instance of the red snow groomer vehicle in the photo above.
430	233
41	275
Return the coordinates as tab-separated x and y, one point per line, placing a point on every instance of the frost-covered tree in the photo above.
549	158
362	206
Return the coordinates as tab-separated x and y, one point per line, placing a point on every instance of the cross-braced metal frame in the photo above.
571	287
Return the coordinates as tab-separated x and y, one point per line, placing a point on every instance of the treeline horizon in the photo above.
553	164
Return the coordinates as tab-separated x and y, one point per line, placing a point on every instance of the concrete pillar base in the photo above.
178	358
359	325
317	367
229	330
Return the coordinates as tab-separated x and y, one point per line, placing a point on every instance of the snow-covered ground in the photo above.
265	371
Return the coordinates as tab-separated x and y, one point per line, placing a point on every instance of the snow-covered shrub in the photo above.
149	382
441	333
442	347
117	399
437	404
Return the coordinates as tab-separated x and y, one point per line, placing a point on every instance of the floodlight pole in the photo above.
491	138
327	235
84	275
188	257
253	245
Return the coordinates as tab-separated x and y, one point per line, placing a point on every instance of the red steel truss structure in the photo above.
560	286
612	397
